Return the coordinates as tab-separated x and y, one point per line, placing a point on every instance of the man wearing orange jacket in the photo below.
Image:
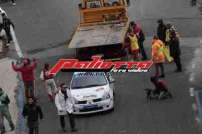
158	56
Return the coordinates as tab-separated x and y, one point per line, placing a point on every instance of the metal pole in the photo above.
15	41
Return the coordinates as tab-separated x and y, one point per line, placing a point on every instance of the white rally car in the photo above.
92	92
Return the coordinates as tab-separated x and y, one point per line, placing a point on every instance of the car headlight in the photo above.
106	96
75	101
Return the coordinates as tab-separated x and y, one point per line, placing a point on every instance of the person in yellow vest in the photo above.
134	47
158	56
168	31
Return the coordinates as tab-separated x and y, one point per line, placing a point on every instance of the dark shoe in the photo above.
74	130
162	76
12	127
64	130
178	71
144	58
3	131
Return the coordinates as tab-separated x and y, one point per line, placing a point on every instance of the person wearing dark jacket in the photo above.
161	30
33	112
6	26
175	51
141	45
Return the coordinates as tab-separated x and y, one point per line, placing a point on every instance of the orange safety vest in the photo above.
157	51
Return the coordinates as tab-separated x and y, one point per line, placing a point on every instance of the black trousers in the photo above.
177	61
71	121
34	130
142	51
13	1
8	34
33	127
159	66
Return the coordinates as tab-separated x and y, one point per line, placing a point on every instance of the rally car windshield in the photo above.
89	79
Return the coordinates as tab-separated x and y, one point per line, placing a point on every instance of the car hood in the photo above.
90	93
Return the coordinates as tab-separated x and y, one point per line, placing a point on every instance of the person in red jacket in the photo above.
160	86
27	73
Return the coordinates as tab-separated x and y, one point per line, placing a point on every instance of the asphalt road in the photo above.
133	114
43	26
47	24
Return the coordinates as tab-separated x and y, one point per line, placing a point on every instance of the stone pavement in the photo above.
8	82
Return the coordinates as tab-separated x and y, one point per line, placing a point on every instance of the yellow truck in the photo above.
102	28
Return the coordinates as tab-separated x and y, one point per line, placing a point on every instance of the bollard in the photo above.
15	41
21	102
198	95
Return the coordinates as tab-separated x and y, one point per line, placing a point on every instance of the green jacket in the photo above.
4	101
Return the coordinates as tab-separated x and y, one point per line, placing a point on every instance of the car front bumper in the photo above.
101	106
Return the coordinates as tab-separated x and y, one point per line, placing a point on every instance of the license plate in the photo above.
90	106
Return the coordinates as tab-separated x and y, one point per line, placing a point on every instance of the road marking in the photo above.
198	119
192	77
197	51
191	91
15	41
194	107
201	41
193	66
123	131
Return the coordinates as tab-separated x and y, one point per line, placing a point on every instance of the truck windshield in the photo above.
88	79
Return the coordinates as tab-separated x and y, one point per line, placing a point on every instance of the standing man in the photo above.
161	30
158	56
6	26
4	111
64	104
27	72
33	112
175	50
141	40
